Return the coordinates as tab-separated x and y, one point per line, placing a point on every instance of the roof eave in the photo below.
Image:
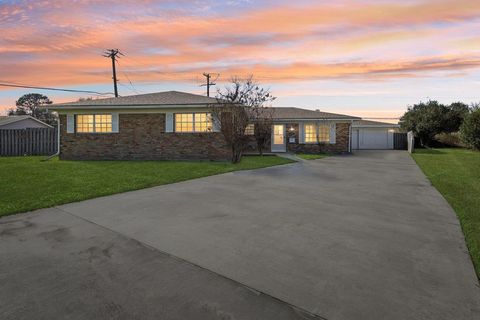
130	106
376	126
315	119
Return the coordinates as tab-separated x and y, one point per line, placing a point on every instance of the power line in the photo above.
131	84
112	54
130	81
52	89
209	84
128	88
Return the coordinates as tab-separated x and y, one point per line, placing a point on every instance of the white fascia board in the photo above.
376	126
312	120
133	109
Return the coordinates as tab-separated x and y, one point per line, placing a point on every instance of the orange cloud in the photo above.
60	42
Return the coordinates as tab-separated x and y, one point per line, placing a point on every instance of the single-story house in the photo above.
373	135
177	125
21	122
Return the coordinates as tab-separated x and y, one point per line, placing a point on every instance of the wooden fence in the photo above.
30	141
400	141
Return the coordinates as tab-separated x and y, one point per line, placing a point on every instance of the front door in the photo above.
278	138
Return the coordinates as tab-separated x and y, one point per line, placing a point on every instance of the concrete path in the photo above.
353	237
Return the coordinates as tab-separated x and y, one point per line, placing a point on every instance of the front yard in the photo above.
456	174
27	183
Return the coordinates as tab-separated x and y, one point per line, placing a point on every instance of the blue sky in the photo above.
367	58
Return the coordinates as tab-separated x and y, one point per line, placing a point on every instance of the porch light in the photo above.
291	129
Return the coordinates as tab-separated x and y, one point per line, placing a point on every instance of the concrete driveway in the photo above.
349	237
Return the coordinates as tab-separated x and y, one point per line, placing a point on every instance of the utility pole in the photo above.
209	84
113	53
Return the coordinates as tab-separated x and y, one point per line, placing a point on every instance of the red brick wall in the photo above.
142	137
340	146
341	141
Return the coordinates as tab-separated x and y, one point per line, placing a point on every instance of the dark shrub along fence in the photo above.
30	141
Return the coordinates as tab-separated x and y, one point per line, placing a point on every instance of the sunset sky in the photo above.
367	58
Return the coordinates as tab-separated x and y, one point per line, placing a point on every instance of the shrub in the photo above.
470	129
427	119
450	139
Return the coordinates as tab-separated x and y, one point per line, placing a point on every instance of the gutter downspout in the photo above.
350	137
58	142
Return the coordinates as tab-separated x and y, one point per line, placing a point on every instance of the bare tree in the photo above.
262	117
240	103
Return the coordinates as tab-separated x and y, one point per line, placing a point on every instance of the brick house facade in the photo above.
177	126
142	137
294	145
341	145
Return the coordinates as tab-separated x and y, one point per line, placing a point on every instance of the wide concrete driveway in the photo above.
349	237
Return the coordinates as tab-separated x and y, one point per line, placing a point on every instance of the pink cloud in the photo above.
60	42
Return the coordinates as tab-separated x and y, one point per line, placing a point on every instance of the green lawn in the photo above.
27	183
307	156
456	174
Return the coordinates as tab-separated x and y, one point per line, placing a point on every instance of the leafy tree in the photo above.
455	116
31	104
241	103
431	118
470	129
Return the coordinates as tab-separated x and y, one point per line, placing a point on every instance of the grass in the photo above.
456	174
27	183
307	156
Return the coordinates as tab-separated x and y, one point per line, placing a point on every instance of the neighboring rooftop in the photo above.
368	123
298	113
148	99
4	120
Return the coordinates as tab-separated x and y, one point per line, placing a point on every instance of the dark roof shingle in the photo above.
158	98
298	113
10	119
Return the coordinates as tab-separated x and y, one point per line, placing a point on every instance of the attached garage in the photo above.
373	135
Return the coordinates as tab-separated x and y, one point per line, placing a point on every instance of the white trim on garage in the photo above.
364	138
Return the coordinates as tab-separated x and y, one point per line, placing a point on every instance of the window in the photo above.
193	122
89	123
313	131
250	129
323	133
310	133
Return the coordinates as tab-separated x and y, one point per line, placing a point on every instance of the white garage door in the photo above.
372	138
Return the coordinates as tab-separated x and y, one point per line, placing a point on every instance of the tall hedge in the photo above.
470	129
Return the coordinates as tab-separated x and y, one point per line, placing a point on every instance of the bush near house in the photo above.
452	139
470	129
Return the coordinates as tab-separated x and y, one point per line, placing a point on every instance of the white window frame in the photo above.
305	133
194	130
94	129
327	127
250	129
316	127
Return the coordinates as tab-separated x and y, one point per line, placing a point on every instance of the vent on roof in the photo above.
318	110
